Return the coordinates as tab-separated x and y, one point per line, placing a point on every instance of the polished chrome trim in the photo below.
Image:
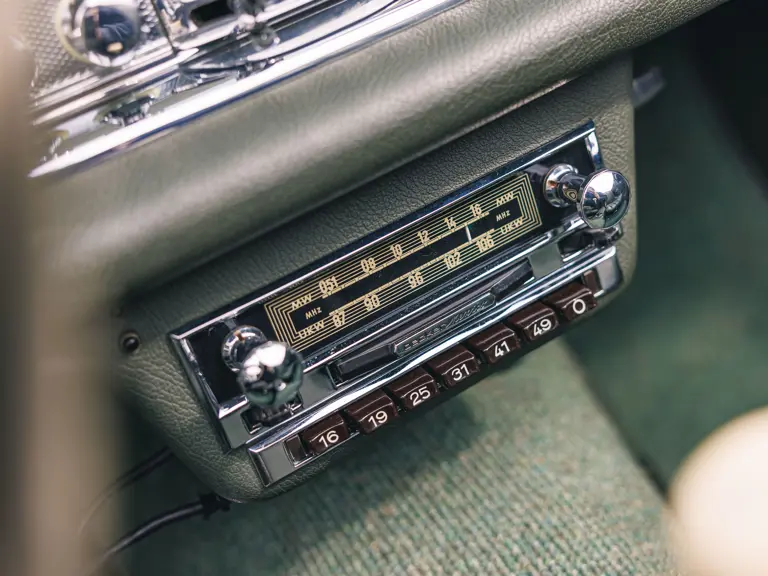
310	29
217	96
280	9
364	385
145	69
153	49
319	26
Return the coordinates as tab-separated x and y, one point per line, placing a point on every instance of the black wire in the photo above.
205	506
126	479
149	527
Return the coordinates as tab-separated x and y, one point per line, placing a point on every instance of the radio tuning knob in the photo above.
102	32
238	343
271	374
602	198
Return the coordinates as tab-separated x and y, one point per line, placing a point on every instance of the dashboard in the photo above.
319	218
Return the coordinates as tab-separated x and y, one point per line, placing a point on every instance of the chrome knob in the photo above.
271	374
102	32
238	343
602	198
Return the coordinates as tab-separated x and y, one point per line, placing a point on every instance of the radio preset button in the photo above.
326	434
454	366
414	388
535	321
495	343
372	412
572	301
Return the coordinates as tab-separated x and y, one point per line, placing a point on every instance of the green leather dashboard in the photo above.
390	128
233	175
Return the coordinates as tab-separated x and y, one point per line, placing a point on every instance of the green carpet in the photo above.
683	350
522	474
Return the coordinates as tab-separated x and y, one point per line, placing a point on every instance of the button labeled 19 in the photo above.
372	412
377	419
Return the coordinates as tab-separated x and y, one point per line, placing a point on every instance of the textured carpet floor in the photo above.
522	474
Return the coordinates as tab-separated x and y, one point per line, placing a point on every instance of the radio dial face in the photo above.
406	263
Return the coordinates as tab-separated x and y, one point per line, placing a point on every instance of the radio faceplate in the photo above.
392	311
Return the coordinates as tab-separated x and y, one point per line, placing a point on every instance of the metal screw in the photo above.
130	342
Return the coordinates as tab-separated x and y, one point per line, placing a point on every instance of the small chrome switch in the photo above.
602	198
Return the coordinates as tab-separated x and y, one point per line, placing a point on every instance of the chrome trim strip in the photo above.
309	32
217	96
151	72
273	11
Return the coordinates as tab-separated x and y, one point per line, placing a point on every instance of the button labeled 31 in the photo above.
454	366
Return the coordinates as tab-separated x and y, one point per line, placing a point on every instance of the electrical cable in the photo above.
126	479
205	506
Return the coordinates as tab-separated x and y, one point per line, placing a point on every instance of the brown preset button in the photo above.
494	343
534	322
372	412
295	449
326	434
572	301
454	366
414	388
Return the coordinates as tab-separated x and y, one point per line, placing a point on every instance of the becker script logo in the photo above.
429	333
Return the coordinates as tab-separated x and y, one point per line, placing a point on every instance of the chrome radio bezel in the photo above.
269	453
319	393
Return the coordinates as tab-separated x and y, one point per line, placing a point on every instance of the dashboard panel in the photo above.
209	211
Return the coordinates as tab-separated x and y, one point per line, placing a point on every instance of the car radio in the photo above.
413	313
